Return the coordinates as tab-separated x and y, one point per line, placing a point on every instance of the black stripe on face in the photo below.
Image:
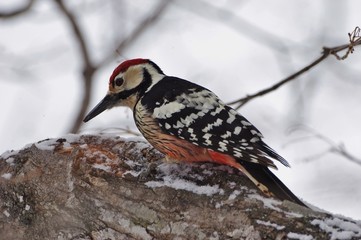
111	100
140	89
147	81
124	95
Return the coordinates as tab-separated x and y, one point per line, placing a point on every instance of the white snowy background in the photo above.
231	47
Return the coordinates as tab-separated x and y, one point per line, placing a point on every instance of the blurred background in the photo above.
56	58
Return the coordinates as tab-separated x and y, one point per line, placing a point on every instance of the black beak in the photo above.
106	103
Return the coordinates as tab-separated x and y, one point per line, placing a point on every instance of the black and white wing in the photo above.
194	113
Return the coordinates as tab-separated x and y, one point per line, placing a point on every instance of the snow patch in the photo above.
6	176
234	194
10	161
131	163
6	213
72	137
339	228
141	142
178	176
83	146
134	165
133	173
102	167
293	214
47	145
272	204
8	154
176	183
267	202
292	235
268	223
219	205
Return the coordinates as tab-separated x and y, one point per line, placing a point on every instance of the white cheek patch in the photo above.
132	77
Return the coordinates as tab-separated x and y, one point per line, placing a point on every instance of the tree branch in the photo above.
237	23
142	26
16	12
88	67
355	40
105	187
336	148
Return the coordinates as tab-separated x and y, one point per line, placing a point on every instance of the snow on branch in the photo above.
106	187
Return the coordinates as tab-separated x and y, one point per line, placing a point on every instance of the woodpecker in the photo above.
189	123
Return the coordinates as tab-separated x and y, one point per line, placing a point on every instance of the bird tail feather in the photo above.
269	184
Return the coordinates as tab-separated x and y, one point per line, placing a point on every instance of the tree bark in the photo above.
107	187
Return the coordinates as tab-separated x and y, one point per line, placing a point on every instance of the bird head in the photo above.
128	82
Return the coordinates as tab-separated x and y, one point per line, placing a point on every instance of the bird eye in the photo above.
119	81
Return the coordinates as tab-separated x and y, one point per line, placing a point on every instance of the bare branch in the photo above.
88	66
354	37
355	40
341	150
144	24
76	29
16	12
237	23
336	148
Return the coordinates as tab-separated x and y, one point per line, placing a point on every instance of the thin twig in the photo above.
339	149
355	40
353	37
141	27
230	19
279	45
88	67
